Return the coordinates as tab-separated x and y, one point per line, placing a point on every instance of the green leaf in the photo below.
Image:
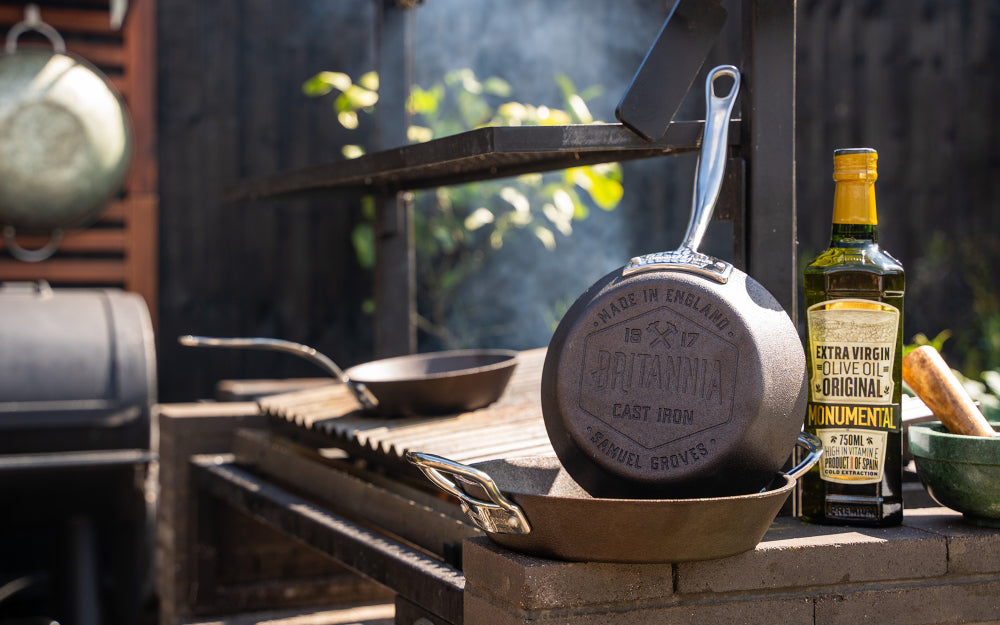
348	119
479	218
532	179
445	238
369	80
591	92
352	151
552	117
368	207
546	237
513	113
424	102
497	86
566	85
580	111
325	82
360	98
363	238
605	191
516	199
992	381
316	86
465	78
419	134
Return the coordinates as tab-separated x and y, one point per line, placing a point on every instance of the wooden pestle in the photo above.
932	380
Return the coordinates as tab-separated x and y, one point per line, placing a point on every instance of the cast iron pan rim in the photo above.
501	359
770	492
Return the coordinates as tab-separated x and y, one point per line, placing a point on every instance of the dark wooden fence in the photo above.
919	82
916	80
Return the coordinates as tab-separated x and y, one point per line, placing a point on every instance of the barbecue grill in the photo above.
307	464
312	468
319	471
77	386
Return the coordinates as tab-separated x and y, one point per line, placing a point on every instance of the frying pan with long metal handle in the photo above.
677	375
532	505
418	384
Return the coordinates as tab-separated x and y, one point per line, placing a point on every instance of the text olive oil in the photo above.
854	332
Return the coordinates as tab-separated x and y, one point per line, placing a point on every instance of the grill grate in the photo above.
512	427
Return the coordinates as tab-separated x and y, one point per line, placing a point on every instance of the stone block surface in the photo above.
966	601
796	554
971	549
530	583
749	610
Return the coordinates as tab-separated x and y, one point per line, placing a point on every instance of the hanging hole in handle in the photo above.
35	255
33	21
725	82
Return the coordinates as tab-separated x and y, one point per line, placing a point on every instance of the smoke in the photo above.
524	289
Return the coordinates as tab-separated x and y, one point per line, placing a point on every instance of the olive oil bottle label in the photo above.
852	456
852	348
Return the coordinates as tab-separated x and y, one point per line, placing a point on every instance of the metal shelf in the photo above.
482	154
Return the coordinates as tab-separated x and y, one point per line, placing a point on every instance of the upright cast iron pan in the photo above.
405	386
677	375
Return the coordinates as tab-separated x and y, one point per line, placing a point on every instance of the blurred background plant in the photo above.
459	228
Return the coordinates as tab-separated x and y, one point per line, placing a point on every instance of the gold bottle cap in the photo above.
855	164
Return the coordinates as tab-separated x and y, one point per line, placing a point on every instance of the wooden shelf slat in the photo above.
65	20
104	55
83	271
90	240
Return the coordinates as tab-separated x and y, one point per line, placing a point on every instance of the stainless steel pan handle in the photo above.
708	183
814	449
361	392
499	515
712	159
33	21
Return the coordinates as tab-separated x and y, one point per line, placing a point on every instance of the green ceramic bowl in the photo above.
960	472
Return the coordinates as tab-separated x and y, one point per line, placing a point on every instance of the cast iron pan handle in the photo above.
361	392
497	516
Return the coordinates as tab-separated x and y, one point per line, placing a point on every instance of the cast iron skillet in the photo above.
532	505
677	375
415	385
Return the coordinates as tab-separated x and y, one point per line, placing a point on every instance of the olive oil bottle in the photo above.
854	333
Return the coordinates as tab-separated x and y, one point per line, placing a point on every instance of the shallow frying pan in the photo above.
532	505
419	384
677	375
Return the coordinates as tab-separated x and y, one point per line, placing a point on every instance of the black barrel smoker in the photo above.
77	387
